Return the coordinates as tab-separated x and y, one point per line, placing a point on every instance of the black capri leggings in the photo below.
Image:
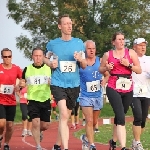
24	111
120	103
140	106
75	109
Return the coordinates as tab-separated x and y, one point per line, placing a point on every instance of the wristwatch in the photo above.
130	66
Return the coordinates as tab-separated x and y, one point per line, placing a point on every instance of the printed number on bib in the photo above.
123	84
37	80
139	89
93	86
7	89
68	66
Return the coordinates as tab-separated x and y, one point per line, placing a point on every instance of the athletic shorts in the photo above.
40	110
96	103
7	112
69	94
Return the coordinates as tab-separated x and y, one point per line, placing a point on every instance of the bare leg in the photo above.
63	131
88	113
9	131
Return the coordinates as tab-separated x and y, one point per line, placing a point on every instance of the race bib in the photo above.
93	86
140	89
68	66
123	84
37	80
7	89
25	95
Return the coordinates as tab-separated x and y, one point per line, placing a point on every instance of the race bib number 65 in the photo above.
93	86
7	89
68	66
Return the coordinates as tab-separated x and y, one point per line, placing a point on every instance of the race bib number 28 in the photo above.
68	66
7	89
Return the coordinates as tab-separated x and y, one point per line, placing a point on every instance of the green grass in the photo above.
105	135
18	117
105	112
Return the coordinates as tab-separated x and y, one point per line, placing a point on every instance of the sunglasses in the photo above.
7	56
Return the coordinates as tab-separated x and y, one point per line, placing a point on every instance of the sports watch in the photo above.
130	66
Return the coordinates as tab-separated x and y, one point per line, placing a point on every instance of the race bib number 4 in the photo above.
37	80
7	89
139	89
67	66
93	86
123	84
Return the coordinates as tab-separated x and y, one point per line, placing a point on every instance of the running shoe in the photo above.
29	132
56	147
6	147
85	143
137	147
112	146
24	132
92	147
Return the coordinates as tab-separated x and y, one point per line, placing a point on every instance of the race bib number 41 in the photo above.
93	86
67	66
7	89
37	80
123	84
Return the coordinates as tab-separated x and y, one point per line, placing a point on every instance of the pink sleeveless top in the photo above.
23	92
119	69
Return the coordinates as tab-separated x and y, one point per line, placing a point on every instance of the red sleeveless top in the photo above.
119	70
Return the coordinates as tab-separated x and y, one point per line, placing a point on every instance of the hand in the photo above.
16	88
109	66
124	61
49	81
22	83
77	56
54	63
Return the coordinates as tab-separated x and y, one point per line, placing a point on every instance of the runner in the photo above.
27	123
120	63
65	79
37	78
91	100
140	103
8	74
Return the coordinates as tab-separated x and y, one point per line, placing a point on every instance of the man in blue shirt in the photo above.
91	96
66	58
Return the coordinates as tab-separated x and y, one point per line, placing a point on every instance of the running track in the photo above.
27	143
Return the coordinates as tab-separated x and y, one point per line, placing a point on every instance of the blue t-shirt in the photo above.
66	75
90	80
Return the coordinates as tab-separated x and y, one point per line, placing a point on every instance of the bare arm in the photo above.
18	93
103	67
47	62
83	63
52	64
136	64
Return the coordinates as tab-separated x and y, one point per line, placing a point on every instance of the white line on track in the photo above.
24	141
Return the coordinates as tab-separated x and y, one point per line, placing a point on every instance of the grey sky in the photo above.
8	32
